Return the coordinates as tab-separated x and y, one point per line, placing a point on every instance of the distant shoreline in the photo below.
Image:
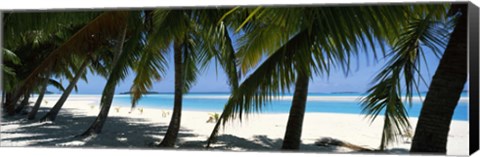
215	102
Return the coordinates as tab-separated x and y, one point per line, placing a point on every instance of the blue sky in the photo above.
363	70
359	80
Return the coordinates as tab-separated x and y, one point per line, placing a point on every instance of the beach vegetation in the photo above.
265	53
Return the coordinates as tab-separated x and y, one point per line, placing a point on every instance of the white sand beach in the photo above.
260	132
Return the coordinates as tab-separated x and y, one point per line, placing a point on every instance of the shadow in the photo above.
118	132
258	143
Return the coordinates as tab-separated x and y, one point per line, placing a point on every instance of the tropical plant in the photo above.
24	32
109	90
431	132
9	72
408	50
197	36
32	114
95	34
128	43
52	114
305	42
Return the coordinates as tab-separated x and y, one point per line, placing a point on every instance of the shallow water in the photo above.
329	103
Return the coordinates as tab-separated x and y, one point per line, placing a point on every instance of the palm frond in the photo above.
274	76
404	65
18	24
10	56
152	66
56	84
84	41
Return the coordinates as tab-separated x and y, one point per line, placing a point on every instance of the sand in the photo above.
260	132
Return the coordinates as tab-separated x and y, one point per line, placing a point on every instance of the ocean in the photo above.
325	103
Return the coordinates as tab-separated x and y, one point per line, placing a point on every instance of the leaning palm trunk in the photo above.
106	103
229	64
35	108
215	131
292	141
108	92
174	126
24	103
444	92
52	114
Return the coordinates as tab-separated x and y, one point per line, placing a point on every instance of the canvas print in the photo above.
374	79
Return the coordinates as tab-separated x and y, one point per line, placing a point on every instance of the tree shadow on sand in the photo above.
258	143
120	132
262	143
117	132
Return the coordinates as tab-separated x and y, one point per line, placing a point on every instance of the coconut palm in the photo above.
306	42
83	43
98	34
32	50
197	36
407	60
42	44
422	32
42	90
52	114
34	28
109	90
188	61
129	45
9	78
431	132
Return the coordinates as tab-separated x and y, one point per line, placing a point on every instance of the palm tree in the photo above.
34	28
130	45
9	78
84	42
90	41
43	89
24	102
423	31
197	37
228	61
183	37
41	44
407	60
445	89
301	36
109	90
52	114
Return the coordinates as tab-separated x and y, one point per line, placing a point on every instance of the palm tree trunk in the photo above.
213	135
24	103
234	83
174	126
52	114
106	102
8	105
293	134
444	92
35	108
108	92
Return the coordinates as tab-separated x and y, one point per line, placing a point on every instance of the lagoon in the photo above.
326	103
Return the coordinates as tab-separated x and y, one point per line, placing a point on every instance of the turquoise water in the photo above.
328	103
